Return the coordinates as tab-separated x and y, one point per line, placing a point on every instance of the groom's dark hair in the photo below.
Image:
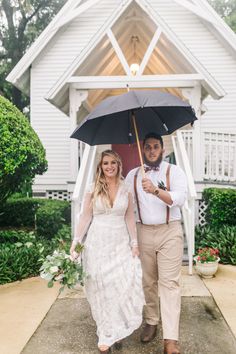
153	136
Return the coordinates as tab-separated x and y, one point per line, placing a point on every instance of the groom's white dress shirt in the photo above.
152	208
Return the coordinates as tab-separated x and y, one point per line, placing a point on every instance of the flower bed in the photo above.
22	253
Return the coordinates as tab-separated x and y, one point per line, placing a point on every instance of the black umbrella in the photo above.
126	118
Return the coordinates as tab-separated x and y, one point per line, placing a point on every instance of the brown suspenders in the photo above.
167	188
136	194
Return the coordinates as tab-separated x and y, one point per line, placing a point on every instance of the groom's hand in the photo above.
148	186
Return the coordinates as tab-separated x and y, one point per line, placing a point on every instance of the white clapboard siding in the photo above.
52	125
212	54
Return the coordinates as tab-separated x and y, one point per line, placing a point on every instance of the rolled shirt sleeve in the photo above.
178	186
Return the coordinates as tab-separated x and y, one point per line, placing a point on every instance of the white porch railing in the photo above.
188	209
85	177
81	149
219	154
187	136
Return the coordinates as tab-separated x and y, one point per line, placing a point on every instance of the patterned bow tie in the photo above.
151	168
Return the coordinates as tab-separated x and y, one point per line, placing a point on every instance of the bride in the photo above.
114	285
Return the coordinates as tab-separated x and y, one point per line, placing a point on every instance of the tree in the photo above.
22	155
227	10
21	21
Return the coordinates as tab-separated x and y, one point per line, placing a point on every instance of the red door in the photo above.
129	156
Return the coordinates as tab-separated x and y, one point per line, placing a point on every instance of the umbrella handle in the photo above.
138	143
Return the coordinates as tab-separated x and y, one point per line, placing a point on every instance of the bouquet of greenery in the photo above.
60	267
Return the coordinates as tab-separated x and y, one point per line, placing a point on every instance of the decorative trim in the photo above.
39	45
58	195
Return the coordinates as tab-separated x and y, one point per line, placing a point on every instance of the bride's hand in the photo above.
74	255
135	251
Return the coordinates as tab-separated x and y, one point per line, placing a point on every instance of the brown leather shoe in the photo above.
171	346
148	333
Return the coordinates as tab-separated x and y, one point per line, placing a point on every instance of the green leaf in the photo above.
50	284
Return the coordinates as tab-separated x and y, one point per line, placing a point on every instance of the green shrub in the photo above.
23	258
13	236
47	215
22	155
223	238
221	206
51	216
19	212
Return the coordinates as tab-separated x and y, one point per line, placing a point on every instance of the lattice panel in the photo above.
59	195
202	212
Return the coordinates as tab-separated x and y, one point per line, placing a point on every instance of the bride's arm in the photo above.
131	225
84	220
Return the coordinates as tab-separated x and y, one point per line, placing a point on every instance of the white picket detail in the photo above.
220	156
188	210
81	152
187	136
219	153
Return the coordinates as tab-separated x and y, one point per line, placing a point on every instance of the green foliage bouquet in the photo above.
60	267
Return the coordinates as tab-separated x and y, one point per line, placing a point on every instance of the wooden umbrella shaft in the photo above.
138	144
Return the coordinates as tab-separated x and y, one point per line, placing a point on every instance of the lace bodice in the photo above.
122	209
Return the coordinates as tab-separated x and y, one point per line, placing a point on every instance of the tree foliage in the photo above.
22	155
227	10
21	21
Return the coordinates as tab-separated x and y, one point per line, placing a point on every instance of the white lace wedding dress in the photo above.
114	284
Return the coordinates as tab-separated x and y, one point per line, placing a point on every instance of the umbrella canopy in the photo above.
111	121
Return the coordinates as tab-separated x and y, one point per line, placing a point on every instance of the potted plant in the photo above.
206	261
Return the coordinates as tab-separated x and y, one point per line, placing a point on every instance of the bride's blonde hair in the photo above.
101	186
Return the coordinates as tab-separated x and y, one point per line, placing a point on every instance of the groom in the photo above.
159	197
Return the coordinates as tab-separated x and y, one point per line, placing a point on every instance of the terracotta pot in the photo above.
207	269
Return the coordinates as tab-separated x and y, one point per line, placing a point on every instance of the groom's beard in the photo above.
153	163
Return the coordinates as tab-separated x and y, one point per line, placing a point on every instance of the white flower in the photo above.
28	244
46	276
54	269
18	244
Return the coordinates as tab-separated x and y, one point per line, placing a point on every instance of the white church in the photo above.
93	49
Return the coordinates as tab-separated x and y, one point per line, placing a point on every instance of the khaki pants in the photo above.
161	253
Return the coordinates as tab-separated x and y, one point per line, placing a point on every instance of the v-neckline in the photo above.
116	195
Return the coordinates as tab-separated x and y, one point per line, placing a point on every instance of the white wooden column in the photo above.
76	97
194	97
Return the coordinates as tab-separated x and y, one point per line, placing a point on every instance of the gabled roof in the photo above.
59	93
19	76
223	30
216	24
